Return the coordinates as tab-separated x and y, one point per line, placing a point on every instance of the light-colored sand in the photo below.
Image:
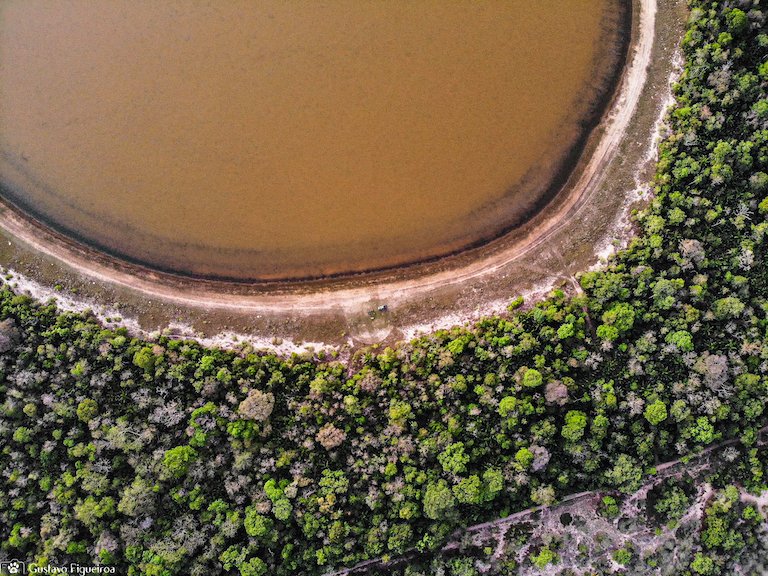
346	297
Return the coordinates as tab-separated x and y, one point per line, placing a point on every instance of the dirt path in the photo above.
471	273
697	463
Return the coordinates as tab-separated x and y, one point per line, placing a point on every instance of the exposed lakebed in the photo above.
280	140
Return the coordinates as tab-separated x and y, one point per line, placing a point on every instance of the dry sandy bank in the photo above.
583	223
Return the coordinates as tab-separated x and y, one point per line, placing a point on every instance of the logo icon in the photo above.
12	567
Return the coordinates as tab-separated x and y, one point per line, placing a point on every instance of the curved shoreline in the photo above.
177	260
341	298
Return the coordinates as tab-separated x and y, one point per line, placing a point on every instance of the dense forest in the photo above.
164	457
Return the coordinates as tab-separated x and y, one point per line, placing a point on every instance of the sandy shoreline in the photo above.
337	312
245	247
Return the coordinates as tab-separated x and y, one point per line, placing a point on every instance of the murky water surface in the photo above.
290	139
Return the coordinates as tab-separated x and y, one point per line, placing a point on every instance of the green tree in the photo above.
255	524
703	565
575	423
702	431
282	509
524	457
609	507
92	509
532	378
438	500
682	339
469	490
621	316
622	556
176	461
626	475
137	498
656	413
544	558
453	459
144	359
507	405
22	435
253	567
493	483
398	538
737	21
730	307
87	409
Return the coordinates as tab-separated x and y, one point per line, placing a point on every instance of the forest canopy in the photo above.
163	457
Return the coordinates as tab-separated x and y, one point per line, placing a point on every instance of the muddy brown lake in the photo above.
274	140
